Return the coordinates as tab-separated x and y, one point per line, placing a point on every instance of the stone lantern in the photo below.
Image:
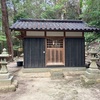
93	59
7	82
3	62
92	74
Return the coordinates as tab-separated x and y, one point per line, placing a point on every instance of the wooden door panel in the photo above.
55	52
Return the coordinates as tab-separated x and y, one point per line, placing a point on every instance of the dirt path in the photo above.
47	89
70	88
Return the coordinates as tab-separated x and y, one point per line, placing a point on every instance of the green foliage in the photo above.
81	3
0	19
61	9
33	8
2	38
2	35
16	46
2	41
72	10
48	14
52	11
91	15
16	42
45	9
92	12
19	16
90	37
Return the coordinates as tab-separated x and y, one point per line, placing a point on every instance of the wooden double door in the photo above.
55	51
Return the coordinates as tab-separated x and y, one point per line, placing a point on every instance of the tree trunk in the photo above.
5	25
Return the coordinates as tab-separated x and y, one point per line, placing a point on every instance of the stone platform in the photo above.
57	74
10	87
91	76
7	83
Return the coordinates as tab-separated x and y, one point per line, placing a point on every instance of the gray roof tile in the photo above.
30	24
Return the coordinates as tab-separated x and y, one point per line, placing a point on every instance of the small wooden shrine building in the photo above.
53	43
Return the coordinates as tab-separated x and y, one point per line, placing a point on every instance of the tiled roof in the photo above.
58	25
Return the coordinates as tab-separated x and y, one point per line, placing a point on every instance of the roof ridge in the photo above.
50	20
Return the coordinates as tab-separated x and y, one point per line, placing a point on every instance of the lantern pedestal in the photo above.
7	82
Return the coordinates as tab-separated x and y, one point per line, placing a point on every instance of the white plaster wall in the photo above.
73	34
52	33
35	33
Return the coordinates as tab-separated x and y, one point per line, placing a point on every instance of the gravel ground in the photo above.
30	88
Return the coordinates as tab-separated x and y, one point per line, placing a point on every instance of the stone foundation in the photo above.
7	83
10	87
53	73
91	76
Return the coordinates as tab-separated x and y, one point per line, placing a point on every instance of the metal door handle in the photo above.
43	51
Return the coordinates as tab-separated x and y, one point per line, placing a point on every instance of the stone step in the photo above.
57	74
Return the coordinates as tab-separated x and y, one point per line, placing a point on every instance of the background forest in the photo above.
87	10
